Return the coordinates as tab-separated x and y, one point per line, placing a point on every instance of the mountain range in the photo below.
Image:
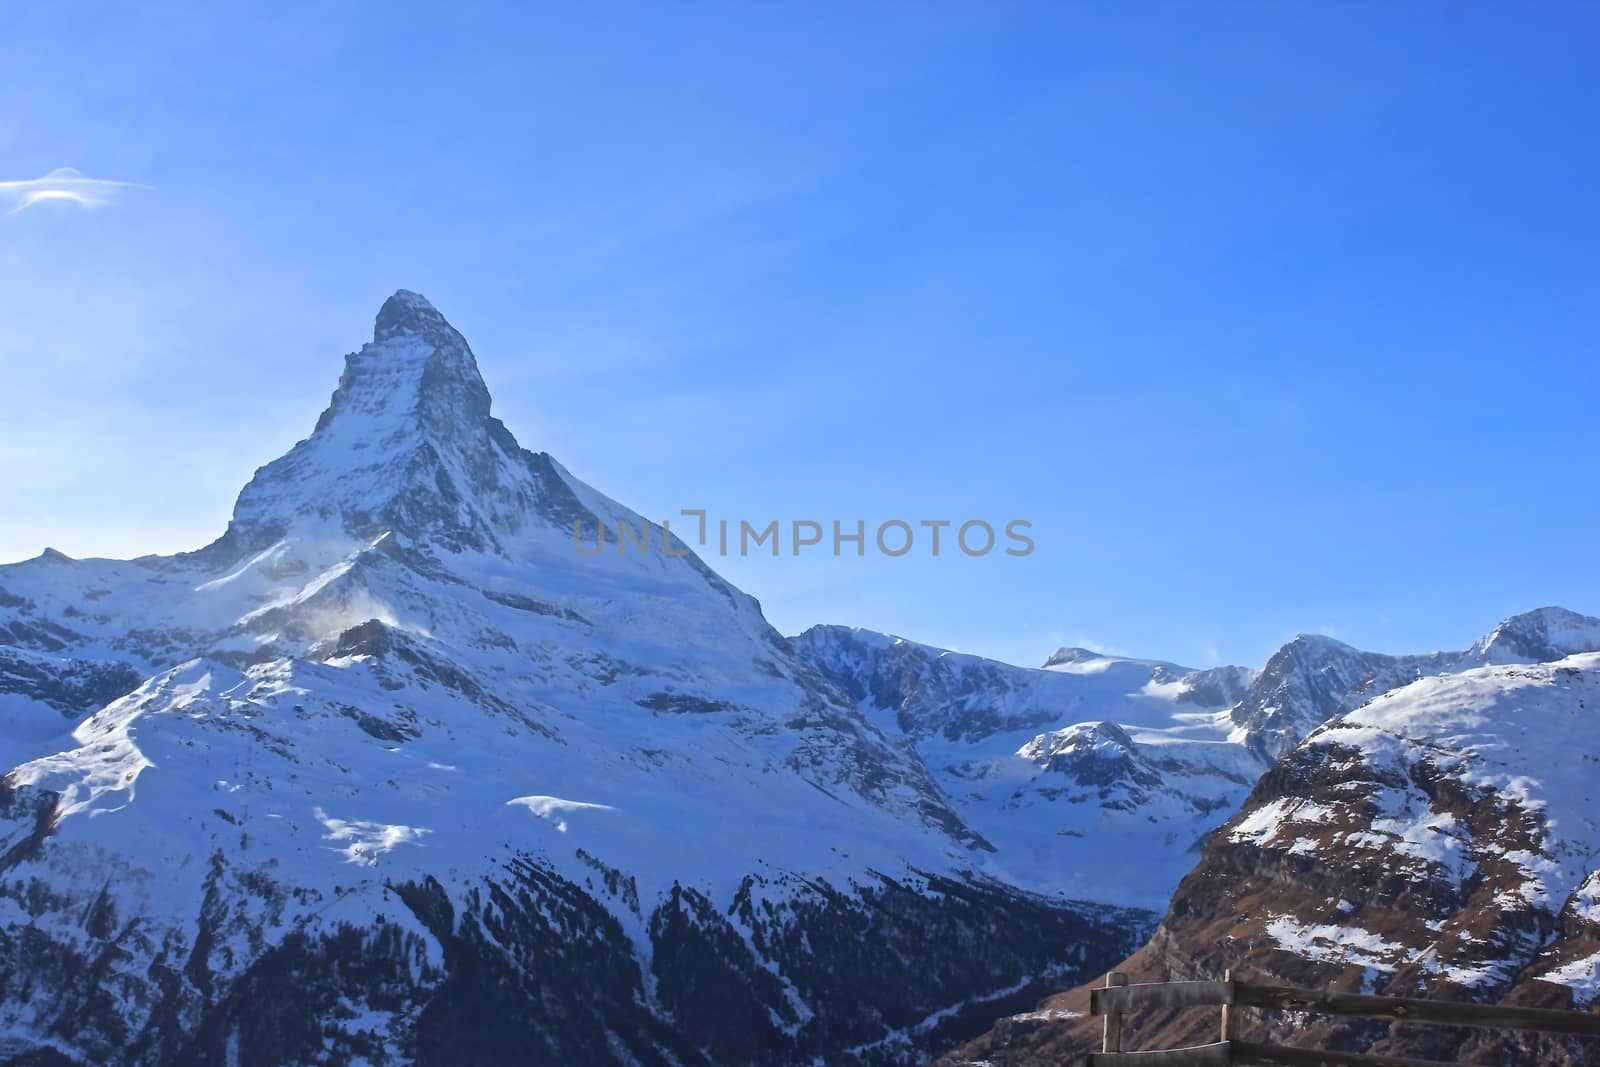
1441	839
390	772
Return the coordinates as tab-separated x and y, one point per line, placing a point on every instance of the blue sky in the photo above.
1271	318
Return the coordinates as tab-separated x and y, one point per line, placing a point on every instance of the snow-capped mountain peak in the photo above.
417	362
411	313
394	711
407	444
1538	636
1072	654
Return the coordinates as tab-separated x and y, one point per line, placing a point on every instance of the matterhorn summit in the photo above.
407	445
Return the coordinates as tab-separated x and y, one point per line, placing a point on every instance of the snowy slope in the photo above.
1096	777
393	734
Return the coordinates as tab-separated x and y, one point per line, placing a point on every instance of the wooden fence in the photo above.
1118	998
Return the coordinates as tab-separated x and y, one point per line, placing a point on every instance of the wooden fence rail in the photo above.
1118	998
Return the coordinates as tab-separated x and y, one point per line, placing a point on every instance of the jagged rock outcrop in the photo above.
1314	678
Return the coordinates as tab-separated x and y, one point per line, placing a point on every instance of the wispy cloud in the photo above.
62	184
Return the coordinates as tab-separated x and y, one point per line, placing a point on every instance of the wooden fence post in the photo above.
1230	1018
1112	1041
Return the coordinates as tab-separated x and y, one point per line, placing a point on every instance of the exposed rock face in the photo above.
1443	840
392	773
1312	679
1215	687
